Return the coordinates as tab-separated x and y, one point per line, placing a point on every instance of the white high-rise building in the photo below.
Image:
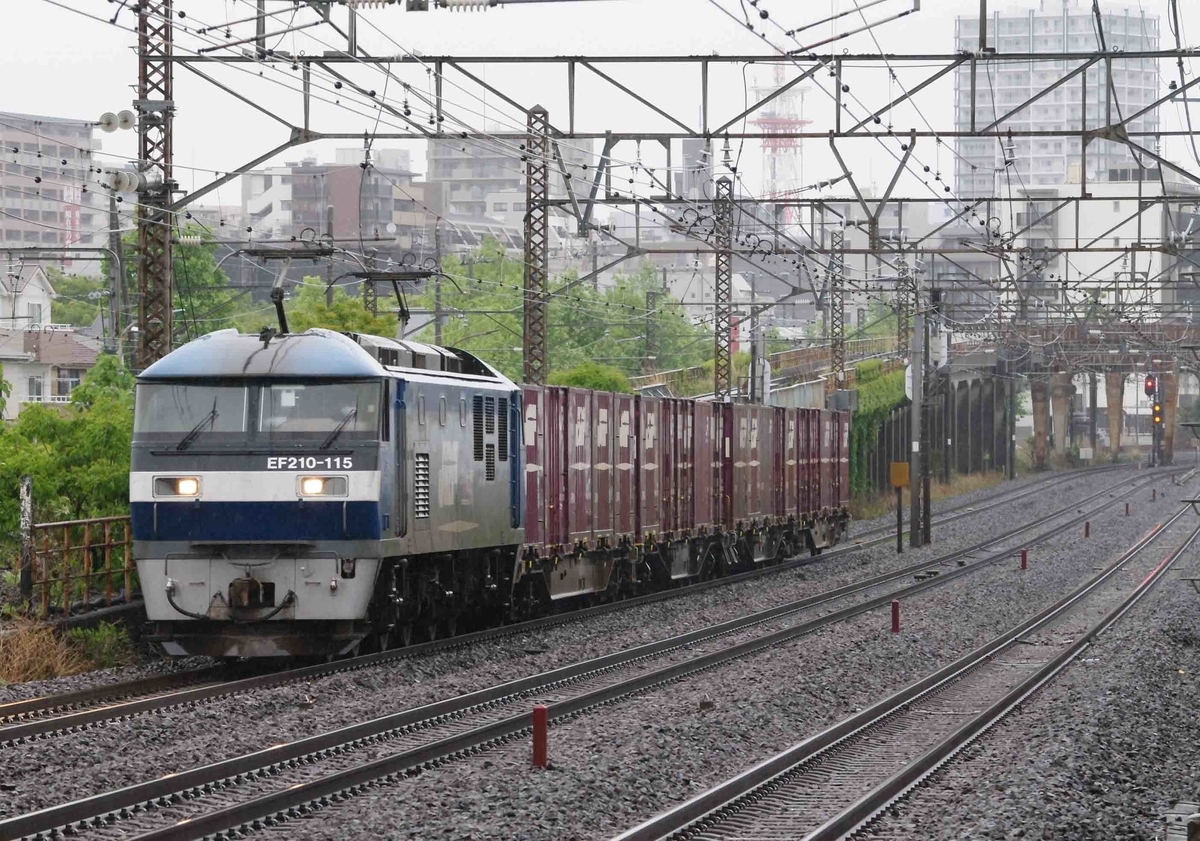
991	166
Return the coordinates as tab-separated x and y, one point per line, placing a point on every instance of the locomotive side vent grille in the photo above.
477	417
490	415
421	486
502	426
490	463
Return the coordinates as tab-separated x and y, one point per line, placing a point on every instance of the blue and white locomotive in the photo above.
314	493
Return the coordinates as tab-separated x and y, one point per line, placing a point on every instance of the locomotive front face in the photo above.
256	511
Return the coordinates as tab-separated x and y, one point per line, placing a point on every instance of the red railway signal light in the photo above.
1151	385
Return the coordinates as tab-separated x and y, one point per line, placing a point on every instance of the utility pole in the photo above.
903	311
652	344
723	289
1092	412
537	233
752	389
837	308
116	278
329	267
918	385
437	283
156	110
926	443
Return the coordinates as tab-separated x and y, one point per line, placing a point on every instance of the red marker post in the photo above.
1127	509
540	720
1024	559
1087	528
895	616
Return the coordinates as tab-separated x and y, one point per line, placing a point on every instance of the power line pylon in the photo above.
537	189
156	109
723	292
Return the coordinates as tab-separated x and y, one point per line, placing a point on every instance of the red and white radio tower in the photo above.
781	154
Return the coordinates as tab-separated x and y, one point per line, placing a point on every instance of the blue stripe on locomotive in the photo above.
211	522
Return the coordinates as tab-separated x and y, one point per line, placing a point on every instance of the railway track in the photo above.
835	782
290	780
39	717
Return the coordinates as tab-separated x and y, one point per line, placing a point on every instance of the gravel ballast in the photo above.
1101	753
621	764
66	767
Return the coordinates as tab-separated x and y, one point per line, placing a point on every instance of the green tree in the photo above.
80	299
78	454
201	289
5	390
593	375
482	299
308	308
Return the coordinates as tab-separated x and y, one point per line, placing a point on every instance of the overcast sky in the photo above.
58	62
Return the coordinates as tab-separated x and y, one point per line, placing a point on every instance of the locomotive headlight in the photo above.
176	486
322	485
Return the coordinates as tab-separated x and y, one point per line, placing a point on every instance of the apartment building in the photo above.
46	201
987	166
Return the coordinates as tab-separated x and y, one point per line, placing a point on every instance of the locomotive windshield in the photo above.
350	409
172	411
274	413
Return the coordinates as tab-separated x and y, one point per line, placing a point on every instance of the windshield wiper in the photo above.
210	418
337	430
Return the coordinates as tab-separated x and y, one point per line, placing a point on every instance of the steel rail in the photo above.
708	809
100	809
929	763
33	718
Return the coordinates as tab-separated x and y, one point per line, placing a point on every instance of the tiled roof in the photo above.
62	348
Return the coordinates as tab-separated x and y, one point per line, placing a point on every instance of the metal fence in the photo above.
67	565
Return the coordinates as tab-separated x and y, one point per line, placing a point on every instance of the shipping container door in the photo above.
776	483
535	475
827	456
579	465
790	471
844	485
649	434
667	455
625	461
725	447
556	465
704	465
602	465
812	455
685	469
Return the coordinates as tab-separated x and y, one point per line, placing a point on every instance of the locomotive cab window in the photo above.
199	412
345	410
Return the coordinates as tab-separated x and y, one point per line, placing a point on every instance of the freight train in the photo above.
320	493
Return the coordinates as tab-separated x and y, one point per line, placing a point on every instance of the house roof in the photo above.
61	348
21	281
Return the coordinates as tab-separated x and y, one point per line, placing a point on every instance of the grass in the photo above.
871	507
32	651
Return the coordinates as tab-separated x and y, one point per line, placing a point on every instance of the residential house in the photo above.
44	366
25	295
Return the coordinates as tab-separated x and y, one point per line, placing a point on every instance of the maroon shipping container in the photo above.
556	466
668	480
685	465
844	471
578	465
779	447
602	465
625	461
828	459
751	447
535	475
705	465
650	435
790	473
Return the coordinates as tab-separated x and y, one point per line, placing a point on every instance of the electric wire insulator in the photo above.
467	5
368	4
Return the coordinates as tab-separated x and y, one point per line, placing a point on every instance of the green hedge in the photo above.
878	395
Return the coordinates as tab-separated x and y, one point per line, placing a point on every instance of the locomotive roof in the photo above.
315	353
